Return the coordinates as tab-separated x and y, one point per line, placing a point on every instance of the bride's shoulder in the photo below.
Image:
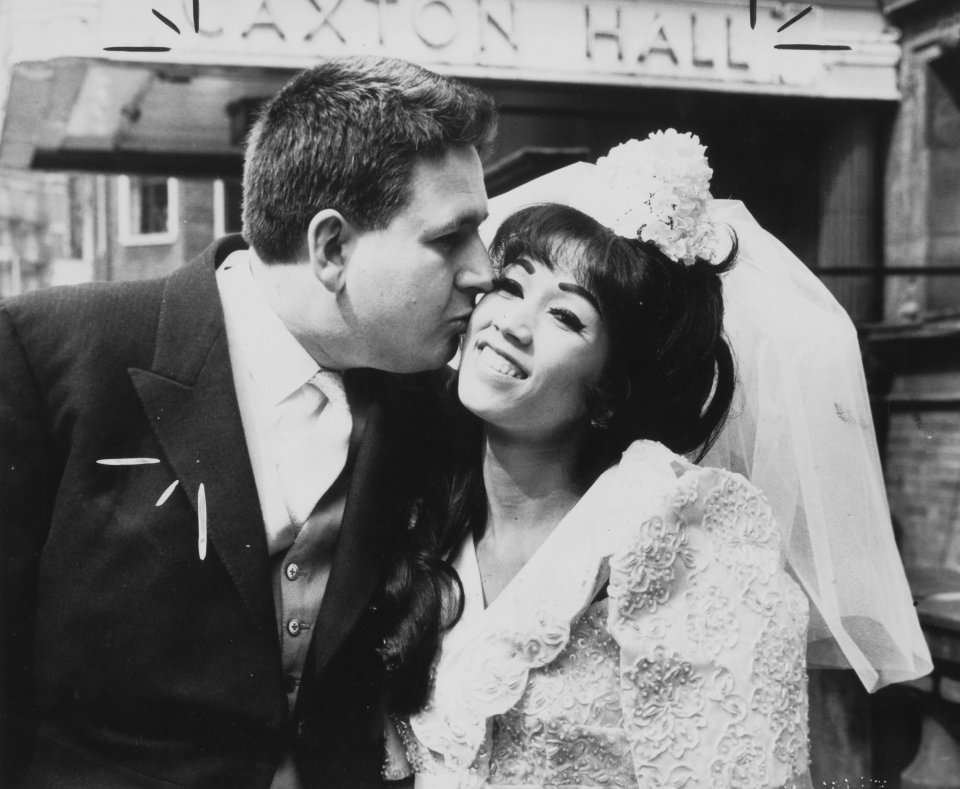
643	458
702	497
684	528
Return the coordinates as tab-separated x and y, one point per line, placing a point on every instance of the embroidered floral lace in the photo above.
690	672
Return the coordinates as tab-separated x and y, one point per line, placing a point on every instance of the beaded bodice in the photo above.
567	725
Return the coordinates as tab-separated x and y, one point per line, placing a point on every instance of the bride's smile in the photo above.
498	361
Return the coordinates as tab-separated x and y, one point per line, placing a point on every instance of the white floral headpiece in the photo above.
661	187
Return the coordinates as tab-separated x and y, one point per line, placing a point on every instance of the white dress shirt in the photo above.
297	425
297	437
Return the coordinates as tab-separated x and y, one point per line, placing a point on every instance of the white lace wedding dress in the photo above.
690	671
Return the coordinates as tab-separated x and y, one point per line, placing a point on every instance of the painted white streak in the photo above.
942	597
202	522
166	494
127	461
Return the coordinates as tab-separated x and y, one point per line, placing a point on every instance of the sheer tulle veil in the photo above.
800	429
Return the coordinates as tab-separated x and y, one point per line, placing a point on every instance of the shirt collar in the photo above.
277	362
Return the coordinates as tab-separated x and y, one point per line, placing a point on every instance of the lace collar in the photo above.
486	659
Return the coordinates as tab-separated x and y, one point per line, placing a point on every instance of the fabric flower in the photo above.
663	186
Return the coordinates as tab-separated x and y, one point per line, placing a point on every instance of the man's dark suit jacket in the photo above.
126	659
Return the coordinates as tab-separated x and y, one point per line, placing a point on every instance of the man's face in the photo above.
410	288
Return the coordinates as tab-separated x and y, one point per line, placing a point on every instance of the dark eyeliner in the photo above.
569	319
507	285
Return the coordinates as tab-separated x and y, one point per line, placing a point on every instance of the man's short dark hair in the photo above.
345	135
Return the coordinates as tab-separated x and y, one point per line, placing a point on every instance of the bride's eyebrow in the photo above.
525	264
570	287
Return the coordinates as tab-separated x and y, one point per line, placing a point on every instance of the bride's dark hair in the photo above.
669	377
670	374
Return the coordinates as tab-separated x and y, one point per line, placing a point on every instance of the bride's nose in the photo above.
515	323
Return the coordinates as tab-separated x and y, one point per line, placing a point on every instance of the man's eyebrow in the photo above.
571	287
467	218
454	224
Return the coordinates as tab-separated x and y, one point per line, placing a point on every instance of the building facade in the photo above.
916	353
798	135
918	346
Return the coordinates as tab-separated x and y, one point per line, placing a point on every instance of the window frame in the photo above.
126	235
220	209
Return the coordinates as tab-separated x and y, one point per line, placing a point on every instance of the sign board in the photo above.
671	43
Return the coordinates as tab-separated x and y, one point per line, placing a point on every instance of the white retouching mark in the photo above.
202	522
127	461
166	494
943	597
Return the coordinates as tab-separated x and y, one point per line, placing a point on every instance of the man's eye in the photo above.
509	286
568	319
448	241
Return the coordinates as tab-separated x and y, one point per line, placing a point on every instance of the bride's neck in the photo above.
529	484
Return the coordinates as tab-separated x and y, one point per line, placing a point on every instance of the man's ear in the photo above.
328	239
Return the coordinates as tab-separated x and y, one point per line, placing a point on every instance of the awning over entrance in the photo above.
96	114
114	85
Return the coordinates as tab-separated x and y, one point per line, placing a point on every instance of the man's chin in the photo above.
448	354
423	364
419	358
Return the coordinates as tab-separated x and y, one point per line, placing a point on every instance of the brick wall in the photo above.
196	217
923	483
194	234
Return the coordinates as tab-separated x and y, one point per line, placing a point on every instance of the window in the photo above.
227	207
148	210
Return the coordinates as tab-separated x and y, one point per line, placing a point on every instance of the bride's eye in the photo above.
568	319
508	286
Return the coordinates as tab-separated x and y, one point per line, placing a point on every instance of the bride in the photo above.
628	606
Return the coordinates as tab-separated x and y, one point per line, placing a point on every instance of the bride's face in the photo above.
533	348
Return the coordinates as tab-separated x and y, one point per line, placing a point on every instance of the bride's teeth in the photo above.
499	364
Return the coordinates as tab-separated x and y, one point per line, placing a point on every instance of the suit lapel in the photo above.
190	401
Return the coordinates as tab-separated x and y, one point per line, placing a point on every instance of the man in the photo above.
199	482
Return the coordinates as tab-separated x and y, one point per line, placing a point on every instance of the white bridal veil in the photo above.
800	429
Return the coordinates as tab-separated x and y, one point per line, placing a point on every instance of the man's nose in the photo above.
476	271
